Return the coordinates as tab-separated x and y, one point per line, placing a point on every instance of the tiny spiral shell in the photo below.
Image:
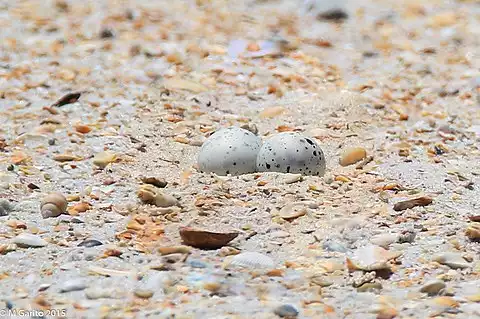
53	205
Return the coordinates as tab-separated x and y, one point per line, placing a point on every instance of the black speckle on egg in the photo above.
288	169
268	166
309	141
314	153
273	160
306	147
302	140
277	166
228	172
234	163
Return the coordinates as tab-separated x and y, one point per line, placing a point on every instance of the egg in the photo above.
231	150
291	153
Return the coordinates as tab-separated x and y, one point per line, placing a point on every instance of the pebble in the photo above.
286	311
98	293
334	245
5	207
292	178
155	181
29	240
452	260
352	156
143	293
90	243
73	285
407	236
196	263
433	287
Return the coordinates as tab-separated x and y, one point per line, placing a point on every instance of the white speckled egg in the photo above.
231	150
291	153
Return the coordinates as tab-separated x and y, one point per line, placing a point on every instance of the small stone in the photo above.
143	293
292	178
90	243
196	263
352	156
26	240
406	236
433	287
5	207
99	292
334	245
73	285
106	33
336	14
286	311
452	260
66	158
155	181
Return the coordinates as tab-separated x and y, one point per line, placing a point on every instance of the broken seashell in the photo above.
66	158
292	211
205	239
410	203
102	159
150	194
370	258
251	260
352	156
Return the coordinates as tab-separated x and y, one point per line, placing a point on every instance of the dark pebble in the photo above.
286	311
90	243
5	207
197	264
333	15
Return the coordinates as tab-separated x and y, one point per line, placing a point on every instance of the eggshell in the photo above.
231	150
290	152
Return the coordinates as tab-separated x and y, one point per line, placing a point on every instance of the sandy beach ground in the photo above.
109	102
